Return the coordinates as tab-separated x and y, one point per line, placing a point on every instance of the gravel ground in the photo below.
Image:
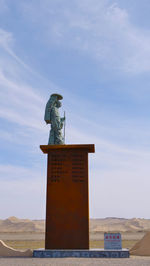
133	261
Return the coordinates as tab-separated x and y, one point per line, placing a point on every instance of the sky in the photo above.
96	53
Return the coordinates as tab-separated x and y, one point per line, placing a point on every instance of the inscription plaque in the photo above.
112	241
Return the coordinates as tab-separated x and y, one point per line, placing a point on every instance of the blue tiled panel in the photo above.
97	253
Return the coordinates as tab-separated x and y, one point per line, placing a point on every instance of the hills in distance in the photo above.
13	224
119	225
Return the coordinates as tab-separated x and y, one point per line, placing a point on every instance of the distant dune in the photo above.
13	224
119	224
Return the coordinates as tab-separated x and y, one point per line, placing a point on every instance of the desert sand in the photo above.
6	251
142	247
133	261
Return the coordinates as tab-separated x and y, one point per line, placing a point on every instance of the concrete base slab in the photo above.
92	253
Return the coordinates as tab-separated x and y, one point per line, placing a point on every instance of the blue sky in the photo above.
96	53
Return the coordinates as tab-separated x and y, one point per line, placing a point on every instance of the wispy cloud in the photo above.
20	102
6	39
97	28
22	189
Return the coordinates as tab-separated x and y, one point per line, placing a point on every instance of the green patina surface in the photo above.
53	118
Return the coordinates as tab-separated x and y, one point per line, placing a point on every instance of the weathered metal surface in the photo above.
67	210
49	148
97	253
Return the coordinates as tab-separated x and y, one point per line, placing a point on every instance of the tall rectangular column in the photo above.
67	200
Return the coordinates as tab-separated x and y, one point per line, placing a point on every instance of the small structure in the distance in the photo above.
52	117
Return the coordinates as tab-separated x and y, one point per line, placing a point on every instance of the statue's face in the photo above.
58	104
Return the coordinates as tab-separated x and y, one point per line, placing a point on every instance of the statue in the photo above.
52	117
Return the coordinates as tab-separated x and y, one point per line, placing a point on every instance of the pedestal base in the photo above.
67	203
92	253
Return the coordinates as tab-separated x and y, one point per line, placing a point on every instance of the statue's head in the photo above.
58	104
55	99
56	96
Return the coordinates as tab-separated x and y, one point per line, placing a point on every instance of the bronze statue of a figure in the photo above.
52	117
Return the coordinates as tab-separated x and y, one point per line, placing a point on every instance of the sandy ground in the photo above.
133	261
41	236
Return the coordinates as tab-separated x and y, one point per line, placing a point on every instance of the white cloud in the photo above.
98	28
120	193
22	190
6	39
14	173
20	102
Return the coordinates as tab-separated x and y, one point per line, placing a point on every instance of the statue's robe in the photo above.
56	126
47	116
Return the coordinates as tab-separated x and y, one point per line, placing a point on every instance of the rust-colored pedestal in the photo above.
67	208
